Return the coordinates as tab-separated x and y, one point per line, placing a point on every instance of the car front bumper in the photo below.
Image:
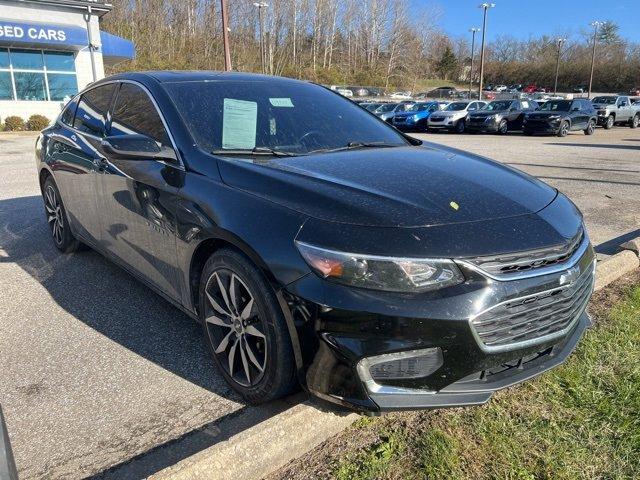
541	127
491	126
345	326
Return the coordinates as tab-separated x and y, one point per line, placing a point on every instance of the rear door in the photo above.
138	197
75	149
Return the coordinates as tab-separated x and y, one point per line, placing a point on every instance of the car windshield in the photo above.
386	107
419	107
556	106
605	100
456	106
495	106
262	116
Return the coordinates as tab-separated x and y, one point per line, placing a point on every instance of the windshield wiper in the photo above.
255	151
357	145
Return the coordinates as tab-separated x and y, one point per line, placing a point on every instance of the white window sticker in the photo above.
239	124
281	102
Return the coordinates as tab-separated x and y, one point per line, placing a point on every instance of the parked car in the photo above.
388	110
400	95
634	92
345	92
453	117
371	106
500	88
616	109
442	92
559	117
316	245
415	116
500	116
517	87
489	87
532	88
580	89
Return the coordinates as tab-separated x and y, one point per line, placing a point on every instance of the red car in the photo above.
533	88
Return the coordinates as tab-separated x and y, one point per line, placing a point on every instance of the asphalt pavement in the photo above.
96	370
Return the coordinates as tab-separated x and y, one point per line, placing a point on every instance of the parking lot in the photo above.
97	369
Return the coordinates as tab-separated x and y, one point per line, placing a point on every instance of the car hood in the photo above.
603	105
411	114
486	114
394	187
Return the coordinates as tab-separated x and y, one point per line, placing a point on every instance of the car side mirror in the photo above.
137	147
575	109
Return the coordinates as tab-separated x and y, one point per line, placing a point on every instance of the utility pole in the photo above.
485	7
473	45
225	35
260	6
596	25
559	42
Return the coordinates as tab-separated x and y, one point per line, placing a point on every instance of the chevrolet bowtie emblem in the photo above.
570	276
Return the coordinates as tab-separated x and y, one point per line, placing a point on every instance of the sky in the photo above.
523	19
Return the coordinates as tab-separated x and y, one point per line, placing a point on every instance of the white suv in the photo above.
453	117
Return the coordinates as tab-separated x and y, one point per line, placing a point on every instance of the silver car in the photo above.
453	117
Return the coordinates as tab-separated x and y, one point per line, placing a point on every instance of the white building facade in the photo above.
50	50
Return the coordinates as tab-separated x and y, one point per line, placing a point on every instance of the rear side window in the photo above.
91	114
135	113
69	112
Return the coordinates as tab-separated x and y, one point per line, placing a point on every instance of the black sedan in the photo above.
500	116
317	245
559	117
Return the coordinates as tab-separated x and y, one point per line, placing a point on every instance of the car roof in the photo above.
170	76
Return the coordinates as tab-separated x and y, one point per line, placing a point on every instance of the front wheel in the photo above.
591	127
503	128
245	328
57	219
608	124
564	129
460	126
634	121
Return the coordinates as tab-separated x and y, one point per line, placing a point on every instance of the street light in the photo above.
260	6
596	25
559	42
485	7
473	45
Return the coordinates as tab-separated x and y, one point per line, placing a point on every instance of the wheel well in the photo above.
44	174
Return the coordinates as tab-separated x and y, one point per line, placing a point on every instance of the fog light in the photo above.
400	365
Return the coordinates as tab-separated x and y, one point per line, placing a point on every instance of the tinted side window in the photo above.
69	112
91	114
134	112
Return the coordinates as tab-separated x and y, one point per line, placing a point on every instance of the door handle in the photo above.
100	163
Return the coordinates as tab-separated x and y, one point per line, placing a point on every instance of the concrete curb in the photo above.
264	448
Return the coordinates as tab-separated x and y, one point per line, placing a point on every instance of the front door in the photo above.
138	197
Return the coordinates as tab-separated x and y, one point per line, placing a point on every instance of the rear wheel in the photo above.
57	218
591	127
564	129
245	328
608	124
634	121
503	128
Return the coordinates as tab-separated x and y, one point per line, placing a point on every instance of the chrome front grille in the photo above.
527	319
506	265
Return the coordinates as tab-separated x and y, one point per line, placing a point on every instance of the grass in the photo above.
580	421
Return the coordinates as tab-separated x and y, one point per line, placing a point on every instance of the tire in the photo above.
564	129
57	219
591	128
248	339
460	126
634	121
608	124
503	127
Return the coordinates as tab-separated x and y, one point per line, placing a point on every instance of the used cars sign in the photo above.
32	33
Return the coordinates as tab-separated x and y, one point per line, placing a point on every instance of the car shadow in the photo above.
595	145
109	300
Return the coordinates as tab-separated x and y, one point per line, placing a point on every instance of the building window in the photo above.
37	74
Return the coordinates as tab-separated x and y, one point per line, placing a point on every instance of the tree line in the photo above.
384	43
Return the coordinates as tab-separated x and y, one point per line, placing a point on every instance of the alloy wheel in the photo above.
564	129
609	122
235	328
591	127
502	128
55	217
635	121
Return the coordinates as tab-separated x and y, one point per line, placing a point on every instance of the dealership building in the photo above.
51	49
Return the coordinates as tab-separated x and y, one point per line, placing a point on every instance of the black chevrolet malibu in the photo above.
317	245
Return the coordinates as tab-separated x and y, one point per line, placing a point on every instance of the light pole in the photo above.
473	46
485	7
559	42
596	25
225	35
260	6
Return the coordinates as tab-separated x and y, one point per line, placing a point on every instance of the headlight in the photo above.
491	118
553	117
393	274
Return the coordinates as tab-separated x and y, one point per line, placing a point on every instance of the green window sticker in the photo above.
281	102
239	121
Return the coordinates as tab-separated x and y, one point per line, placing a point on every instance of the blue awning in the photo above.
116	49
